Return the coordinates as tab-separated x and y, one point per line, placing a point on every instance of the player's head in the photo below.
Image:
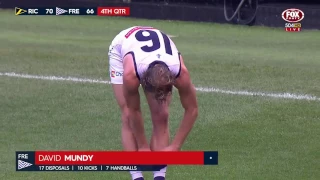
158	80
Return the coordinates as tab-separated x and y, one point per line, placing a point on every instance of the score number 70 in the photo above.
49	11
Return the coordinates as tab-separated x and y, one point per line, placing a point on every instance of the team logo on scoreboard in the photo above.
60	11
292	17
19	11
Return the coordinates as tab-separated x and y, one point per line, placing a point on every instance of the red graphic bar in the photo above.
118	158
113	11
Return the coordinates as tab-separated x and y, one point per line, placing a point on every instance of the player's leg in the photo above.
160	121
160	130
128	140
127	137
116	73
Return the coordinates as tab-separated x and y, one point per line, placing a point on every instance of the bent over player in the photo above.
146	56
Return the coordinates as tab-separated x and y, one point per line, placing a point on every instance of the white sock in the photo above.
136	174
161	173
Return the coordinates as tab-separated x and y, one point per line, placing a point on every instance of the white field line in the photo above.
285	95
172	36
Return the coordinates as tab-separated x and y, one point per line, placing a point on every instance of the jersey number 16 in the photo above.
153	36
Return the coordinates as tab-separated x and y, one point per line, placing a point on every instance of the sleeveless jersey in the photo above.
146	44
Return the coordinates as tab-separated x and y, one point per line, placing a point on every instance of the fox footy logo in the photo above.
292	16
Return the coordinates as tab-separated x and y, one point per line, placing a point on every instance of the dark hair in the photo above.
158	80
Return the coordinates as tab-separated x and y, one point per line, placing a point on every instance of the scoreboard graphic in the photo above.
56	11
109	160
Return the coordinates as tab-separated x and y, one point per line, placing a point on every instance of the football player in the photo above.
148	57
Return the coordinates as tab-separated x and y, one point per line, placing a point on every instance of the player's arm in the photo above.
131	93
189	102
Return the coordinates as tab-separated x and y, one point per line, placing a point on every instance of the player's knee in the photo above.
164	114
160	123
161	117
125	116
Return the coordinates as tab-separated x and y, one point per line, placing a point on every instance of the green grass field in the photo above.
257	137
